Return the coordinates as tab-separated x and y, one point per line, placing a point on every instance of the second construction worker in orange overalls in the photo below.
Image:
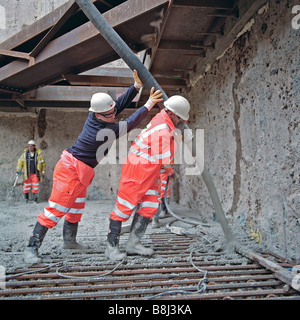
139	185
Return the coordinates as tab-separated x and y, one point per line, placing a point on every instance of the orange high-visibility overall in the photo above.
71	178
139	184
31	182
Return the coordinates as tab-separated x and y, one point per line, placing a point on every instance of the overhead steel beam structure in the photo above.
32	34
178	37
77	51
203	4
115	81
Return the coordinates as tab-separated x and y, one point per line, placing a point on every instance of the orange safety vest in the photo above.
153	148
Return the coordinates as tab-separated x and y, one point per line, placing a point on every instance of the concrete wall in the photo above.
53	131
16	15
248	105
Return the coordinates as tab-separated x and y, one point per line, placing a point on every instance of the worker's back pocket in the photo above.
85	173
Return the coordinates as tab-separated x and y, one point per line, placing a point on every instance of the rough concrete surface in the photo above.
18	220
247	102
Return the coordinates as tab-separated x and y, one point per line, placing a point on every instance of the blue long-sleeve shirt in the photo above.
97	137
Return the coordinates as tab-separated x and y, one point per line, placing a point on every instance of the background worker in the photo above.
139	183
33	167
74	171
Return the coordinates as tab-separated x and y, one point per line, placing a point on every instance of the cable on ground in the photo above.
201	286
87	277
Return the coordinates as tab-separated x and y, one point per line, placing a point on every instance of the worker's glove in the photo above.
137	81
19	173
153	99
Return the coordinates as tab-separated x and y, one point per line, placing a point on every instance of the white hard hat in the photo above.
101	102
31	142
178	105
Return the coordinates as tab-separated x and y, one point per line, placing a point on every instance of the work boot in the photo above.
138	229
155	222
69	235
35	198
26	197
163	209
35	241
112	248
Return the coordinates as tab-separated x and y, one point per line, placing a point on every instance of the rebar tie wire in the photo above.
201	286
87	277
61	274
33	271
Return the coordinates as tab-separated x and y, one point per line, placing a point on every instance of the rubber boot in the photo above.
69	235
138	229
112	248
35	198
35	241
155	222
26	197
163	209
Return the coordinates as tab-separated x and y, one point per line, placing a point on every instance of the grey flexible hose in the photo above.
118	44
173	213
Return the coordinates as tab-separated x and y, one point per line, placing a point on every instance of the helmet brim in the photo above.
178	115
91	109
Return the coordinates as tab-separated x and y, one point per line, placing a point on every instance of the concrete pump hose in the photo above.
118	44
121	48
214	196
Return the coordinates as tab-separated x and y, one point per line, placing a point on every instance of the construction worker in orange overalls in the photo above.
74	171
32	166
139	183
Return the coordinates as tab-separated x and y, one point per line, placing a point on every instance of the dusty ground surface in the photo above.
17	222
